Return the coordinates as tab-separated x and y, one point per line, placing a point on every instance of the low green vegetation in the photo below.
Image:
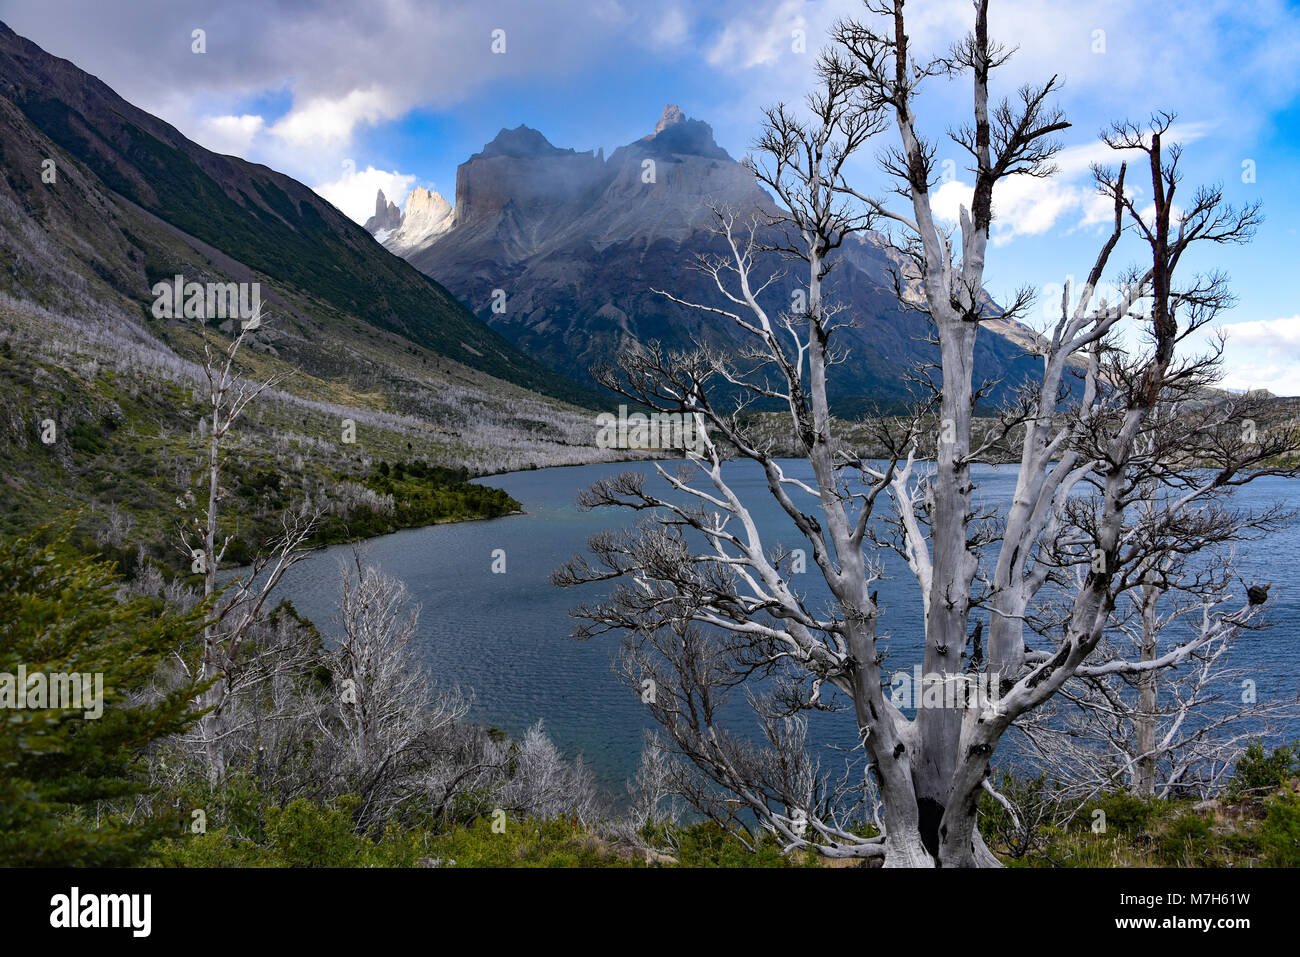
1239	832
303	834
1256	823
60	615
129	454
415	494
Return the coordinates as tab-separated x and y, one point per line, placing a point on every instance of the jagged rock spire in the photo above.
672	114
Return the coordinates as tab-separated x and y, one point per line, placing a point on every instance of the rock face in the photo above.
386	219
426	216
672	114
578	243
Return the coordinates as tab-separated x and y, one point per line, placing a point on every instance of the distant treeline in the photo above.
415	494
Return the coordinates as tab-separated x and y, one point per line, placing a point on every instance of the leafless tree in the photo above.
710	606
1160	732
224	665
389	717
538	781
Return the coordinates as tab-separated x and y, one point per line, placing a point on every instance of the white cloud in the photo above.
354	192
1263	354
324	122
1280	334
1022	205
1030	206
672	28
751	39
232	135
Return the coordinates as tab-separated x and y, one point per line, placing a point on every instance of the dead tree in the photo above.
1159	732
224	665
1069	537
388	713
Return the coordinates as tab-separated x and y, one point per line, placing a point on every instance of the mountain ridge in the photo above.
264	222
561	251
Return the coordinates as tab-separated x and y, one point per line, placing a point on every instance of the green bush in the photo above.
705	844
1280	835
1185	838
300	834
1258	771
63	772
1126	813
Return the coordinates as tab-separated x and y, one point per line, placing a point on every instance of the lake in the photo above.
506	636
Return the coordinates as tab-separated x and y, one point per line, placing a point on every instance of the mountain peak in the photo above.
676	134
421	198
523	142
387	216
426	216
672	114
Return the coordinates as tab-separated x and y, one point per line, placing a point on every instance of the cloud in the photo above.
672	29
320	74
353	193
1264	354
1022	205
232	135
751	40
328	122
1030	206
1280	334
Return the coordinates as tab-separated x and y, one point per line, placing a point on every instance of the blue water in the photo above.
506	636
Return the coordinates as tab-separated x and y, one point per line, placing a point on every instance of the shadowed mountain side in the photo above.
561	251
133	202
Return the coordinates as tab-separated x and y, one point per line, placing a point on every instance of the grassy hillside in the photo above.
128	446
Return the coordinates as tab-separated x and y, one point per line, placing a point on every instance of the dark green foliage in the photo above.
422	495
1258	771
1186	834
300	834
1008	835
1280	834
1125	813
303	834
60	613
705	844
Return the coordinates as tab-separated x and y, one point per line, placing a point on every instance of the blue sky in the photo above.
353	97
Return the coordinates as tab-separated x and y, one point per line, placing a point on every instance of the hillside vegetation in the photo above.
128	443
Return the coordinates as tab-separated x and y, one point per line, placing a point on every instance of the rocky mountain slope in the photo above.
102	403
561	251
98	189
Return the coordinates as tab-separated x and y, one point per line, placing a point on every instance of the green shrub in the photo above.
1185	839
1258	771
523	843
64	772
1126	813
1280	835
300	834
705	844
